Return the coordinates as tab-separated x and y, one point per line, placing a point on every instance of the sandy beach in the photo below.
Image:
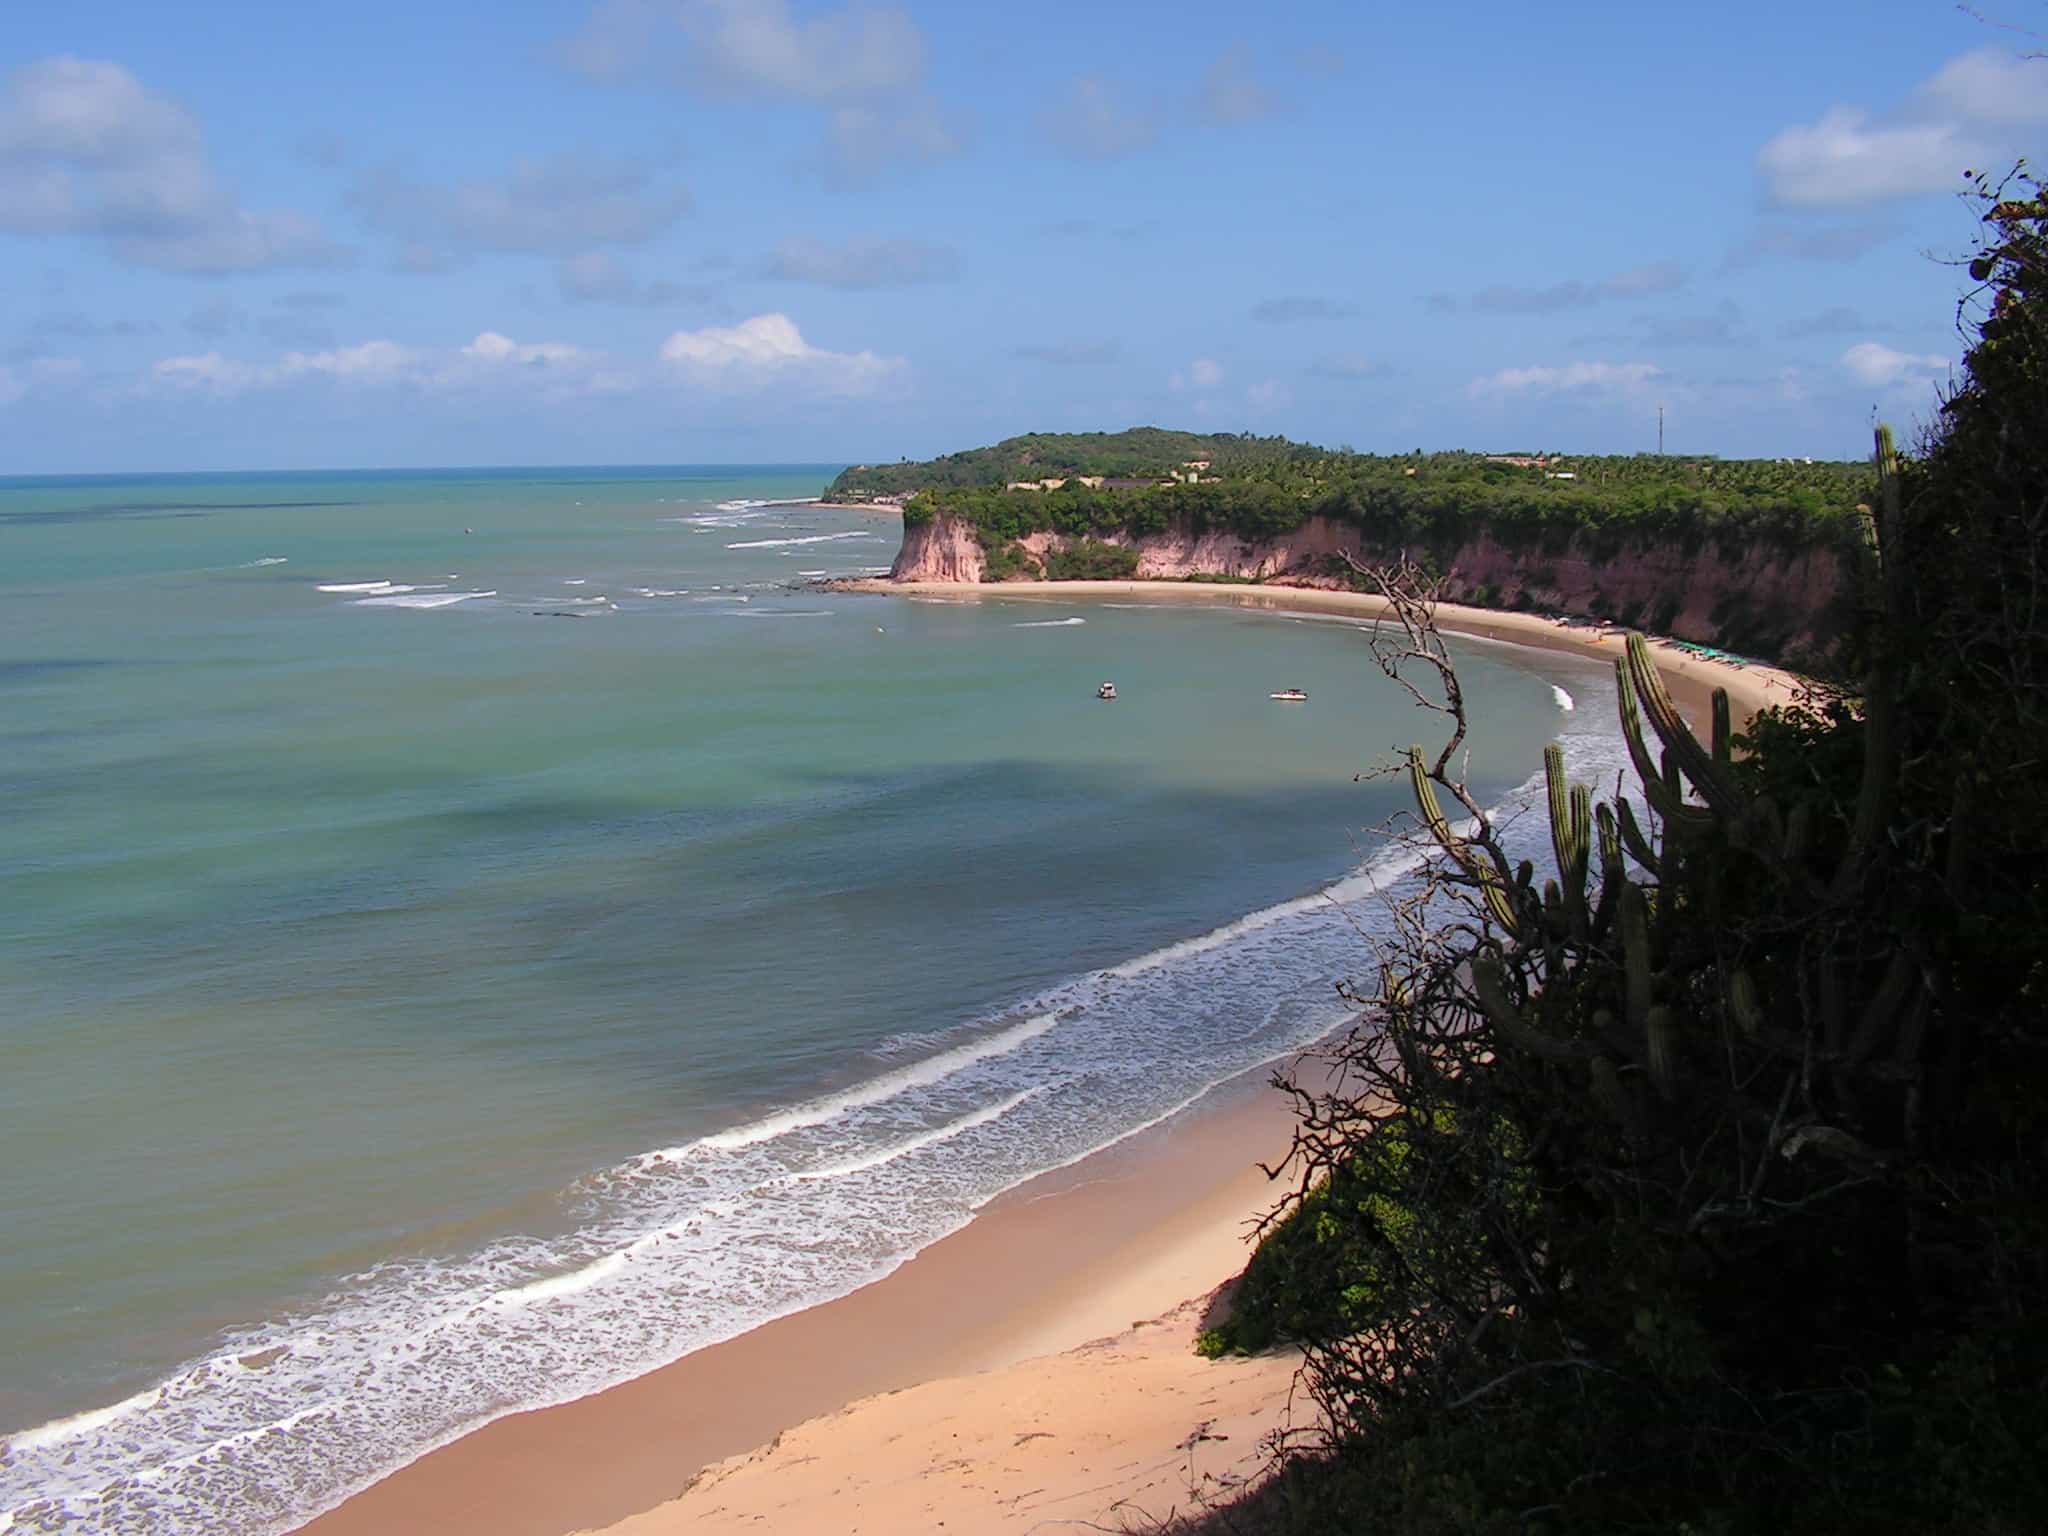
1691	678
1032	1371
1082	1254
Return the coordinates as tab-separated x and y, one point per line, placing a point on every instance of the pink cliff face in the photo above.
940	550
1701	594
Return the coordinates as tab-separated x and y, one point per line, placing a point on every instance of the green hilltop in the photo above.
1137	451
1148	480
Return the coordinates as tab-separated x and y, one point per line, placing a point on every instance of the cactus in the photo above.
1632	837
1880	766
1479	870
1489	986
1571	817
1659	779
1613	873
1707	770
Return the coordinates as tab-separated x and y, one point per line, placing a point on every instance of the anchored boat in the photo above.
1106	691
1289	696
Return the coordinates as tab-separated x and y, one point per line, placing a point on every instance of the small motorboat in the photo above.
1289	696
1106	691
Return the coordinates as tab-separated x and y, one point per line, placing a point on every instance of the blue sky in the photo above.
657	231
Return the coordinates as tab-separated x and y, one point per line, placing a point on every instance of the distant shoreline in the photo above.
869	508
1691	677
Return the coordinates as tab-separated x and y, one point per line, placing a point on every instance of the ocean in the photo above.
474	936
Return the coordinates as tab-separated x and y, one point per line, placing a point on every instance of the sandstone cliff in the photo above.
1762	601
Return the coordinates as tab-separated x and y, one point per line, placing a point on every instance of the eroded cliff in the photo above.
1762	600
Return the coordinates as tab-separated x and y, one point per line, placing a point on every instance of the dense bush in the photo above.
1092	560
1716	1156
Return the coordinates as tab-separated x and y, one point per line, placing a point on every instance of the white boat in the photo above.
1106	691
1289	696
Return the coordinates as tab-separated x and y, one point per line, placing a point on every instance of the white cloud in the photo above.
1202	373
369	362
770	349
11	386
491	359
1989	86
864	65
492	348
87	149
1845	159
748	48
1879	366
1963	118
862	263
561	205
1094	119
1268	395
1569	379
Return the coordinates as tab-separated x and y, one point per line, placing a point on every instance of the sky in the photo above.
249	236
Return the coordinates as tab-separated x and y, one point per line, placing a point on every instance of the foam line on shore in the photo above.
944	1133
923	1074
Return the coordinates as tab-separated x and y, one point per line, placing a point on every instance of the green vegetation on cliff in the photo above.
1434	500
1149	452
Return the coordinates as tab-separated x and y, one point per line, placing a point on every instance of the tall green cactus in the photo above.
1571	829
1884	621
1480	870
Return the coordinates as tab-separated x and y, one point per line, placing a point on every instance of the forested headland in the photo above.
1261	487
1751	555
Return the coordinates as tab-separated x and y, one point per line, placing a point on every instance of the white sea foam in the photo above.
773	501
77	1425
814	538
574	581
1049	623
250	565
1564	700
422	600
360	586
923	1074
659	591
554	1286
885	1155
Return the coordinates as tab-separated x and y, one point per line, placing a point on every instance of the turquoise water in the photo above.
475	936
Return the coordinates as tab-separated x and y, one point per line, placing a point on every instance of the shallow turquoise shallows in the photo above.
471	937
